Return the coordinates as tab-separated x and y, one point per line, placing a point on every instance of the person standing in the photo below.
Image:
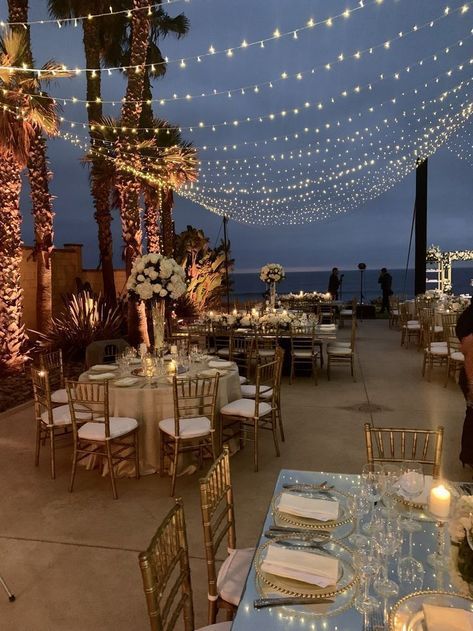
385	280
464	331
334	284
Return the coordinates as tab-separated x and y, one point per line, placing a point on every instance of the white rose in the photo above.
140	278
165	268
139	266
153	258
157	289
153	274
163	293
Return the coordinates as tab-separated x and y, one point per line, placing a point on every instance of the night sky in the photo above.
376	231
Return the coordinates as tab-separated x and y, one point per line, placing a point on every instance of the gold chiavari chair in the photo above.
192	429
53	363
326	313
198	334
51	422
393	311
392	444
455	358
222	339
113	438
249	416
304	353
166	576
341	354
347	313
409	328
242	353
435	353
225	586
449	322
266	341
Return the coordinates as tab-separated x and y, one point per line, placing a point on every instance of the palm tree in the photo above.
38	175
97	34
21	116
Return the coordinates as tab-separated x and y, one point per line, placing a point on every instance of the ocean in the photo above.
247	286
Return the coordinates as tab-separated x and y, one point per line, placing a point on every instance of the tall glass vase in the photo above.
272	294
159	323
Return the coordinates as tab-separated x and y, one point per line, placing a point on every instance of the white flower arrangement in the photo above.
272	273
156	277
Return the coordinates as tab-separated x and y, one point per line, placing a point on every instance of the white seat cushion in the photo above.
338	345
346	312
249	392
223	352
339	350
457	356
188	427
394	312
59	396
266	352
304	354
438	350
413	327
438	328
220	626
119	425
245	408
243	380
232	574
62	416
413	322
439	344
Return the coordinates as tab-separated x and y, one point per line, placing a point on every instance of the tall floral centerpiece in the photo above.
154	279
272	273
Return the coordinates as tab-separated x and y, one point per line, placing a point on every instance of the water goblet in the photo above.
365	561
392	473
373	479
412	484
359	504
387	538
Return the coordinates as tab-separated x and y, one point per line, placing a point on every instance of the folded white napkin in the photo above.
125	382
322	510
212	372
423	497
103	367
447	618
102	376
327	326
135	360
220	364
315	569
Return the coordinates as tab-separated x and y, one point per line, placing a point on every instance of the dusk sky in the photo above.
377	230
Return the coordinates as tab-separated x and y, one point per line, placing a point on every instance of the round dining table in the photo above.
149	401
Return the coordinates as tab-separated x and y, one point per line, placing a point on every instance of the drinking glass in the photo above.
365	561
387	538
412	484
392	474
373	479
359	504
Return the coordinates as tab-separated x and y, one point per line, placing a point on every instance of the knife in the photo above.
259	603
297	531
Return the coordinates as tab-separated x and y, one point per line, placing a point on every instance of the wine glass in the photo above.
392	473
365	561
411	573
373	479
411	483
387	538
359	504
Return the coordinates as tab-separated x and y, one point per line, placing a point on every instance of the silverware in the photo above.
307	485
311	488
311	544
297	531
259	603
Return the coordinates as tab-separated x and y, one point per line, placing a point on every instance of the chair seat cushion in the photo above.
223	352
249	392
220	626
413	322
457	356
243	380
339	351
232	574
59	396
266	352
413	326
304	353
62	416
119	426
438	350
346	312
438	328
439	344
338	345
188	427
245	408
394	312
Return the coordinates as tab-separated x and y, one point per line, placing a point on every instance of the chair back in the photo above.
326	313
303	338
449	321
218	516
242	352
222	338
387	444
353	335
52	362
196	396
91	398
166	574
266	379
104	351
42	393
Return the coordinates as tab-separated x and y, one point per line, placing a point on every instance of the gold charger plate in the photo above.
291	587
419	505
407	614
307	522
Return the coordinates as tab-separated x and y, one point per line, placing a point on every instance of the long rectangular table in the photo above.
281	618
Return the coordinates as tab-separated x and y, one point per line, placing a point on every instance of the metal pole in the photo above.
421	226
225	245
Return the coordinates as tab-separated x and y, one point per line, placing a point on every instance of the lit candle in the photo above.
173	349
439	501
235	312
211	314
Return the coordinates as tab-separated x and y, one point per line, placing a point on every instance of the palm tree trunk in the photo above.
167	222
38	175
101	197
12	330
128	187
152	219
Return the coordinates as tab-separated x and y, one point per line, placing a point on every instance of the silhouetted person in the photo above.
464	332
385	280
334	284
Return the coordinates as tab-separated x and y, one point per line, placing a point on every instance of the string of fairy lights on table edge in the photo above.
284	76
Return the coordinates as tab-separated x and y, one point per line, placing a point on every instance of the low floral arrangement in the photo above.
155	277
461	535
307	295
283	319
272	273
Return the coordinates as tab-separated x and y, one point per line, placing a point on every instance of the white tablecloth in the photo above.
151	404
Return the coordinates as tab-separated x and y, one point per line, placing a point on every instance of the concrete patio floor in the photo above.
71	559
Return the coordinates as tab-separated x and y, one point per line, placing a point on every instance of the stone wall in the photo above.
67	269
